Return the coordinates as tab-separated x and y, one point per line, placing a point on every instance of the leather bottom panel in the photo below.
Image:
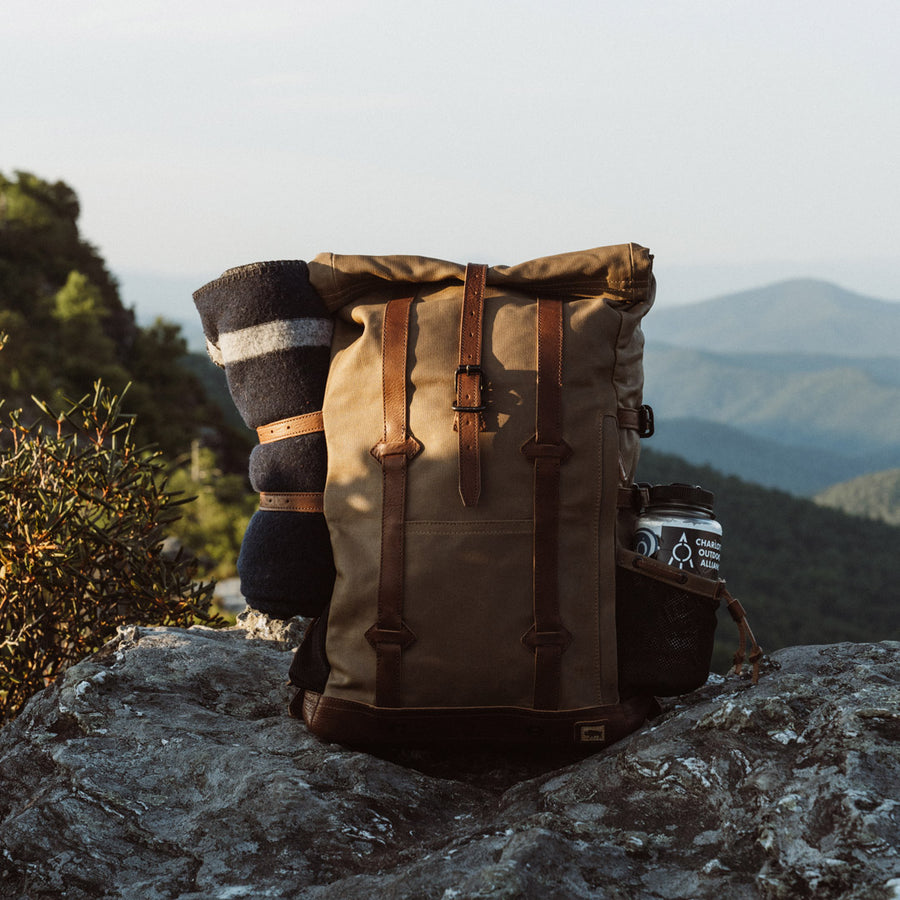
360	725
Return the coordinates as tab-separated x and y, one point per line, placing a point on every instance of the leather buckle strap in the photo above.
308	423
639	420
390	635
469	384
469	370
292	501
547	638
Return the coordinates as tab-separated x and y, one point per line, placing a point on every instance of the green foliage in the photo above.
39	247
85	511
213	523
875	496
68	328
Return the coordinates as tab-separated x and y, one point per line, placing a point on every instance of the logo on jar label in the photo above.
646	542
689	549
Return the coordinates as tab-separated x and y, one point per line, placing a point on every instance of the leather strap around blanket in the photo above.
469	384
547	638
390	635
308	423
293	501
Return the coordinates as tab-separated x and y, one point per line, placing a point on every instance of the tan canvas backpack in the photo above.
481	429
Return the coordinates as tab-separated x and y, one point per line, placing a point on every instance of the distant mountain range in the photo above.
795	386
802	316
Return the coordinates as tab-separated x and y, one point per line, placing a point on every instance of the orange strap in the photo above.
293	501
308	423
469	385
389	636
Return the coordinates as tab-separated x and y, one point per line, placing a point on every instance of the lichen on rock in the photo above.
166	766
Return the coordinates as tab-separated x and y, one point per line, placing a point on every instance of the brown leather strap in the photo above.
635	497
745	635
652	568
639	420
547	638
308	423
390	635
294	501
469	384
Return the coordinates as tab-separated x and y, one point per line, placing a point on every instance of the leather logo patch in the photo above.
590	732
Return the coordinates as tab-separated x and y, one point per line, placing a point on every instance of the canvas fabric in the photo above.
468	570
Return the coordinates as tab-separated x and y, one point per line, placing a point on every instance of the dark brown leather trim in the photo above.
358	724
293	501
639	420
390	635
745	633
468	385
308	423
653	568
634	497
547	638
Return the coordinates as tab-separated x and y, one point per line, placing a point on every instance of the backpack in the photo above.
446	473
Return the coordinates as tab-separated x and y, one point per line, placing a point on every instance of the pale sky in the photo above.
757	137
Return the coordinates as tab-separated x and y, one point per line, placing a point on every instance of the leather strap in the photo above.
308	423
293	501
389	635
635	497
639	420
652	568
745	635
547	638
469	384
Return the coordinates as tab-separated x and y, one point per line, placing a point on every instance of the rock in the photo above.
165	766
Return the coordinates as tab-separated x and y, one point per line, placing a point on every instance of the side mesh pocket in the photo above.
665	623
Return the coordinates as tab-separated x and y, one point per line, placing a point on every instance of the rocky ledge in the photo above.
166	766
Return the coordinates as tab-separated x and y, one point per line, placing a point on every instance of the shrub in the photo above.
84	512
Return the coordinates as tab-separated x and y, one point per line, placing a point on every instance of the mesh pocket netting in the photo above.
665	635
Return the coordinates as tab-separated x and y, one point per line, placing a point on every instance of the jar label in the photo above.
690	549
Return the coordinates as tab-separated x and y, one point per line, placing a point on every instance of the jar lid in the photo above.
681	495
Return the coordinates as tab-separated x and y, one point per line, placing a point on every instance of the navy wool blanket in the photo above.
272	334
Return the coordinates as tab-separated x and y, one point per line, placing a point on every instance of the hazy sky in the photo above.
756	137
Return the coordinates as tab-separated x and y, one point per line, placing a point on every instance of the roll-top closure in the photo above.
621	273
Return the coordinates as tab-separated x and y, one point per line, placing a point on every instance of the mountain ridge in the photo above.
802	314
800	470
800	366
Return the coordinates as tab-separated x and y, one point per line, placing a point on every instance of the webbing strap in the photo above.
469	385
390	635
547	638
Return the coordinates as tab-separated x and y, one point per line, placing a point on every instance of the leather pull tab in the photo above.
469	385
745	636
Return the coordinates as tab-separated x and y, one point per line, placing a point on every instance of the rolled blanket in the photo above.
272	334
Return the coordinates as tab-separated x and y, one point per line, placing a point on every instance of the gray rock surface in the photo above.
166	766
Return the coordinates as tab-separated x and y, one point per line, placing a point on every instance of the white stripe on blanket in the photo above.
283	334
